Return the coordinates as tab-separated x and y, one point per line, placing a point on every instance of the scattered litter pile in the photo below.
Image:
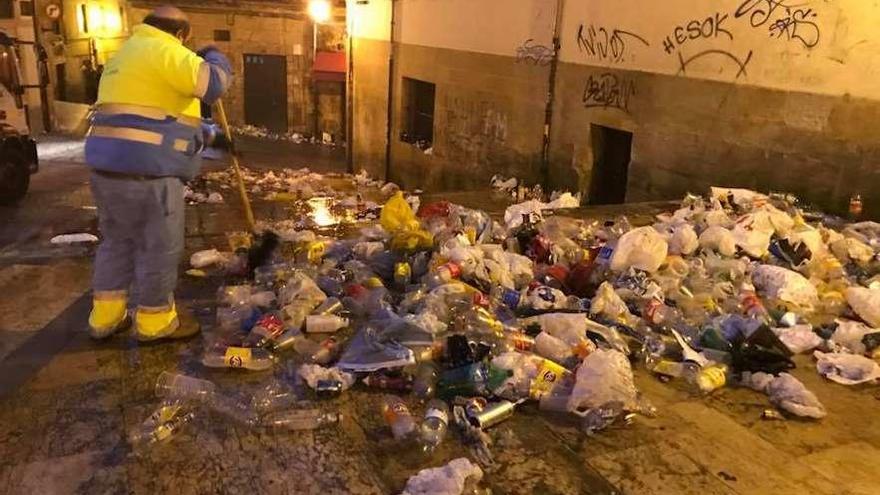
441	305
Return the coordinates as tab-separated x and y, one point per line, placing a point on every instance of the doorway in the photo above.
612	149
265	91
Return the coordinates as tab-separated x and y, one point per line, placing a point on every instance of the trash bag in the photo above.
683	239
719	239
642	248
367	352
406	232
208	257
762	351
786	285
603	376
847	249
754	242
787	393
846	369
865	303
451	479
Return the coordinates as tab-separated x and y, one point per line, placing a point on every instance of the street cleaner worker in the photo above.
144	142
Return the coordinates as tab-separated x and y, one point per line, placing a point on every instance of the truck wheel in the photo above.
14	177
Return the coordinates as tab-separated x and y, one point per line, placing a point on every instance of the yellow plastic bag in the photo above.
406	232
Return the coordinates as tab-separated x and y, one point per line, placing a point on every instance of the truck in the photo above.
18	150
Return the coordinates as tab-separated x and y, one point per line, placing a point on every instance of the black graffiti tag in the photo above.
534	54
740	64
608	91
605	45
710	27
791	22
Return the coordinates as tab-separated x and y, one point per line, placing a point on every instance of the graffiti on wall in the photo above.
535	54
608	90
605	45
723	56
796	23
474	127
706	28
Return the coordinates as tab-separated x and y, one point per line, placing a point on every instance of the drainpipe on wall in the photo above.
349	102
390	98
551	94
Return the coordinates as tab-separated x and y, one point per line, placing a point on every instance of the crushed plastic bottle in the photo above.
433	429
302	419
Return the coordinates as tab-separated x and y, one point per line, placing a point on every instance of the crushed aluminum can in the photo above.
328	389
491	414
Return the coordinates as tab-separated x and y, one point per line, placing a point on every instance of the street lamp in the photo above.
319	11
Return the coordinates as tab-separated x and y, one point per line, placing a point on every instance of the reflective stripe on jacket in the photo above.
147	119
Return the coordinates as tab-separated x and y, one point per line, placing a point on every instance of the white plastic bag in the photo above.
799	338
785	285
73	238
313	373
787	393
450	479
642	248
603	376
866	303
753	240
719	239
846	369
208	257
849	335
848	249
683	239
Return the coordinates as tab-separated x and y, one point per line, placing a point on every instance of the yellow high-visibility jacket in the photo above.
147	119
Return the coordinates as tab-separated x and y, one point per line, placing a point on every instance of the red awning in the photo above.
329	66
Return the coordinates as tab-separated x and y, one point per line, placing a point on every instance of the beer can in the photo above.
491	414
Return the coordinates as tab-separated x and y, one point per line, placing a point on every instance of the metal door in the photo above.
265	91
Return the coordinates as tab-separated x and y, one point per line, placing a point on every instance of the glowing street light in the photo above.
319	10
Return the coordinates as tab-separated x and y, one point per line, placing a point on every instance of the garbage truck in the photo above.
18	151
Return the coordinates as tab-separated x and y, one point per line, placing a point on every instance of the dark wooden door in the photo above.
265	91
612	150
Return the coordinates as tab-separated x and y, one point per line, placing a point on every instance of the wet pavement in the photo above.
67	402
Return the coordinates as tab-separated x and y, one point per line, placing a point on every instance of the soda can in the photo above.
328	388
491	414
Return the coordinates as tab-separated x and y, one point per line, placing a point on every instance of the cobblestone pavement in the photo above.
67	402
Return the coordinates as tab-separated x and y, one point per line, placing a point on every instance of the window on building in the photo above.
418	121
222	35
7	9
26	8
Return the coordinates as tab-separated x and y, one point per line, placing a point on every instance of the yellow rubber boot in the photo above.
109	314
156	323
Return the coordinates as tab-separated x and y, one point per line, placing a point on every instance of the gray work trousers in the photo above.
141	223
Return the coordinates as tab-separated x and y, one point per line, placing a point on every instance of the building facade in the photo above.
641	101
272	45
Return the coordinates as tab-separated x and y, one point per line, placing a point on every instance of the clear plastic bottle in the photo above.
302	419
425	380
239	357
433	429
553	348
398	417
164	430
443	274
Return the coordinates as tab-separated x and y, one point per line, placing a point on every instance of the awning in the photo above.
329	66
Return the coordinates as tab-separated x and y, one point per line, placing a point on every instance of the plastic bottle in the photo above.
164	430
398	417
239	357
553	348
268	328
669	318
302	419
316	352
433	429
752	306
402	383
425	380
325	323
443	274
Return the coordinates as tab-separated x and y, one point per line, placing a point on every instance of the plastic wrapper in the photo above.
313	373
608	304
604	376
846	369
787	393
786	285
866	303
451	479
848	249
752	241
642	248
